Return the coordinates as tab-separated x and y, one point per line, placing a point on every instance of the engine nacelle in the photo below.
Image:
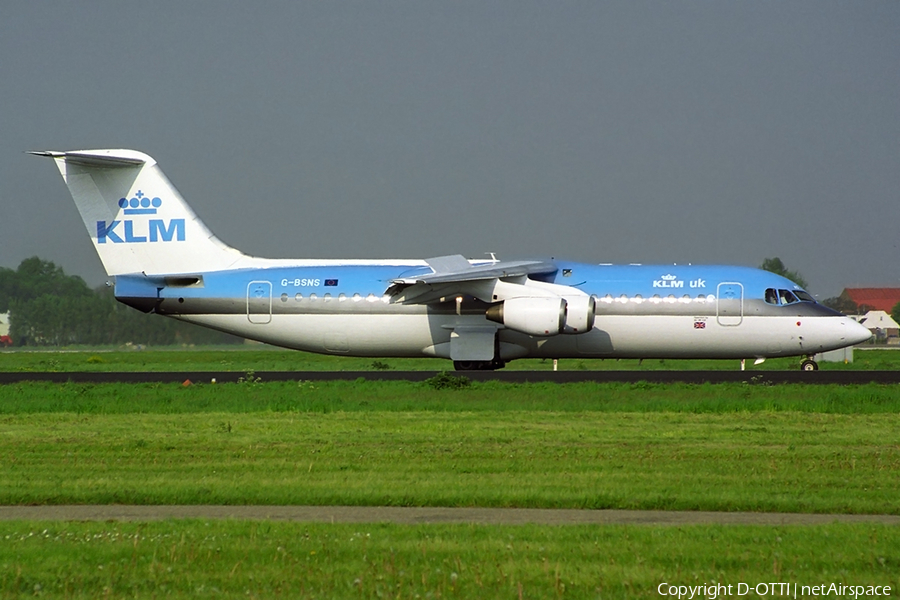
580	314
534	316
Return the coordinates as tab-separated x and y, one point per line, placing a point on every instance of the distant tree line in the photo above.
49	308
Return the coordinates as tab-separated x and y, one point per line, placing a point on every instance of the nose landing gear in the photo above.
809	365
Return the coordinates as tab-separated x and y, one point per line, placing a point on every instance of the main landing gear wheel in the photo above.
478	365
809	365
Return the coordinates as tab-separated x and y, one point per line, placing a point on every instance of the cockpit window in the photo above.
787	297
784	297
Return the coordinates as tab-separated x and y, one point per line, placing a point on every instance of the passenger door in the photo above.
259	302
730	304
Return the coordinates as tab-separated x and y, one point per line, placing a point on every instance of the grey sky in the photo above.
704	132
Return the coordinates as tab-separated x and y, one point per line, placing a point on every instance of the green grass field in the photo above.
197	559
728	447
435	395
267	358
742	461
708	447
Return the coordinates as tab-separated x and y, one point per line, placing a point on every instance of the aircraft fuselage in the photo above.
642	311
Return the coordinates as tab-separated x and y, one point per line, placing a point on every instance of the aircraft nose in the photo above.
856	333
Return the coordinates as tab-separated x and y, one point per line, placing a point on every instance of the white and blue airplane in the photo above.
479	314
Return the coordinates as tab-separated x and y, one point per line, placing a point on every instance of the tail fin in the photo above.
136	218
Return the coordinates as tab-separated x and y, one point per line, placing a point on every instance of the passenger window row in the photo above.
773	296
657	299
340	298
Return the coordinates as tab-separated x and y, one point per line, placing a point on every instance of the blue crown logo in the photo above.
140	204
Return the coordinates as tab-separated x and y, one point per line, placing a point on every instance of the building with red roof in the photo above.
872	298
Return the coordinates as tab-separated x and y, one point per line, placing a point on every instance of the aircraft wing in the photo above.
454	275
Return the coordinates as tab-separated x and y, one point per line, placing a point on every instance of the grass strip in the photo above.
267	358
403	396
785	462
190	559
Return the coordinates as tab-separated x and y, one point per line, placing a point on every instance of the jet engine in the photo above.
534	316
580	314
